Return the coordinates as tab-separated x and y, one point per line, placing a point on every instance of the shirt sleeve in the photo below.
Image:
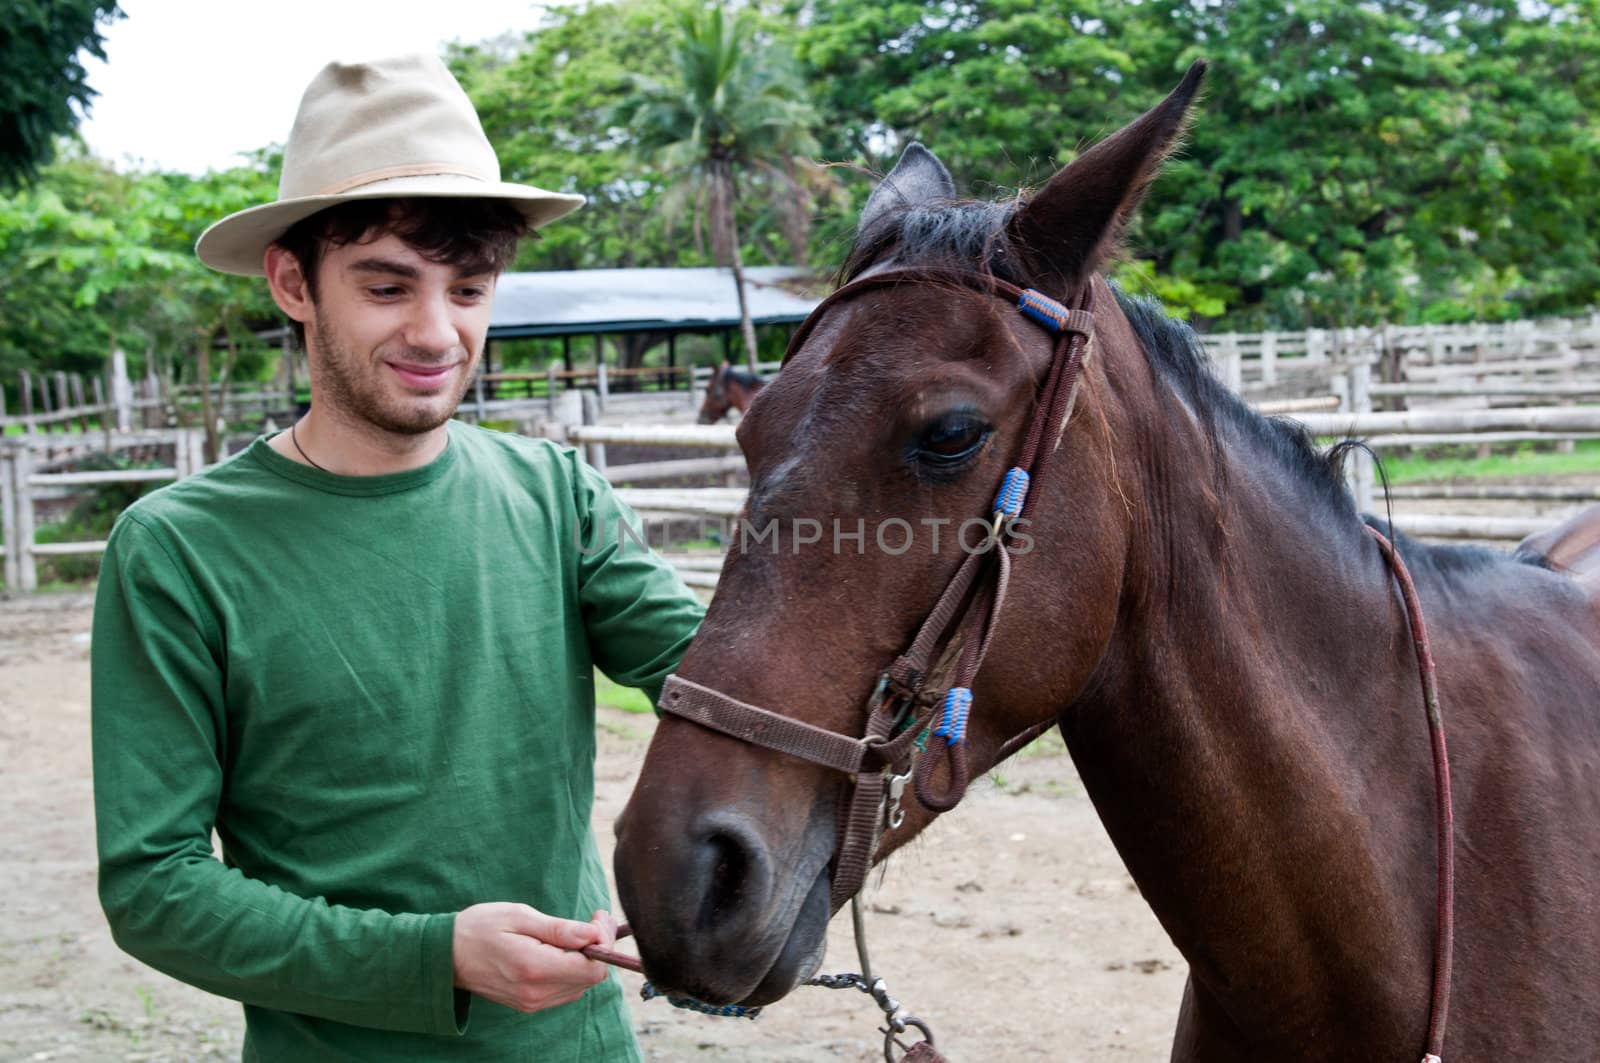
638	613
160	741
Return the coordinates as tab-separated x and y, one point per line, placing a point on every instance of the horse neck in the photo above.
1248	739
740	394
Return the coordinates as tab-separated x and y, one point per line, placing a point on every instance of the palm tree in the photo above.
736	110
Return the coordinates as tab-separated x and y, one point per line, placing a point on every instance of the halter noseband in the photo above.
902	707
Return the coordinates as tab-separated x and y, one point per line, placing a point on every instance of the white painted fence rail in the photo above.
712	436
1529	419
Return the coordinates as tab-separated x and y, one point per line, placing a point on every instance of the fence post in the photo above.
22	502
602	386
550	390
1316	346
1567	375
1339	384
477	394
1360	474
595	452
81	402
1269	358
1232	362
566	410
156	414
8	515
180	454
105	410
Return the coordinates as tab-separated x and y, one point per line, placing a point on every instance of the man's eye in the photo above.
385	291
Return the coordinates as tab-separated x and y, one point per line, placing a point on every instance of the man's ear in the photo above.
288	284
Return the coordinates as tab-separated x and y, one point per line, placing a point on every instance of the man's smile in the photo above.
422	375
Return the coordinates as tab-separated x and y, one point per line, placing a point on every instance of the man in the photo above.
362	650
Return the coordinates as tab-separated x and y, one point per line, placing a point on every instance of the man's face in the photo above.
394	337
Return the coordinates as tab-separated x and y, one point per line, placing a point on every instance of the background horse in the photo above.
1205	615
728	389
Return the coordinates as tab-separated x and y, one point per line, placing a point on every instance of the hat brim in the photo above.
238	243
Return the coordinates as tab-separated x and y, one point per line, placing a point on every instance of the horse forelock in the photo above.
967	234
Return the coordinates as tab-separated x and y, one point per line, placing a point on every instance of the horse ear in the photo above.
919	177
1065	231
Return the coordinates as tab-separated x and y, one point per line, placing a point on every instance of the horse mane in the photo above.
973	234
743	377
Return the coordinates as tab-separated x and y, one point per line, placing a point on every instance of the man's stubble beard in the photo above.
342	388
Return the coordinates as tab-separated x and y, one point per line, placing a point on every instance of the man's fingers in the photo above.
566	934
606	923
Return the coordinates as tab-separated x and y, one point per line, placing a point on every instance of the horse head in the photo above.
716	404
874	459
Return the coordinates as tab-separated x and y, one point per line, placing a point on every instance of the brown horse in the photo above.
1204	614
728	389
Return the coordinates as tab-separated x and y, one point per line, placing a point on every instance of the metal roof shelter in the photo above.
608	301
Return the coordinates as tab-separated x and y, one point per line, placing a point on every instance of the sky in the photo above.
188	84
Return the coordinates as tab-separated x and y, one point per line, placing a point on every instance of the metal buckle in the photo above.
893	814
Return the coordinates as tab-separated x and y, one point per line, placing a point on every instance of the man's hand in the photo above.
518	956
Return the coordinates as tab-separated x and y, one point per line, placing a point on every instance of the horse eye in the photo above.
951	441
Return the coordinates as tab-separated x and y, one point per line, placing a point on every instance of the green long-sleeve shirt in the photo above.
379	691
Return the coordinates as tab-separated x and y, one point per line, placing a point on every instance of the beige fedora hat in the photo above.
391	127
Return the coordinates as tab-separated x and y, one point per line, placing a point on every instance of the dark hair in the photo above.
474	235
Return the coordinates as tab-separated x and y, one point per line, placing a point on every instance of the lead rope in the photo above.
1445	827
895	1026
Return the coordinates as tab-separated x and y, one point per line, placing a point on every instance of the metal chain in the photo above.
875	987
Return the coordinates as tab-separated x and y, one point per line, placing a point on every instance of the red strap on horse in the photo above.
1444	944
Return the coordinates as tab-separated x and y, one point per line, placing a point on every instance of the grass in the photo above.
1462	463
620	697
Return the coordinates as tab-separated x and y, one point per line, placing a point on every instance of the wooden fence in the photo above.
23	482
1413	428
1445	384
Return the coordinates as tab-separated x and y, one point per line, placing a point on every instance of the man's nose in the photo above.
431	327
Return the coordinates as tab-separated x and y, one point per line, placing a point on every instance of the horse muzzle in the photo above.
718	914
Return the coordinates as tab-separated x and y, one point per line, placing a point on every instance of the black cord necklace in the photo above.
302	451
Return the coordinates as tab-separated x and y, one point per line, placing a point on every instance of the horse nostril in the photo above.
727	863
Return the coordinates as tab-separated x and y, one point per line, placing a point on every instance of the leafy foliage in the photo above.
734	115
1405	160
546	103
91	259
1395	159
45	86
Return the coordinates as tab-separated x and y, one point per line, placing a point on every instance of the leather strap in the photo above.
761	727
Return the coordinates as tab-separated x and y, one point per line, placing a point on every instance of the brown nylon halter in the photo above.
961	623
901	709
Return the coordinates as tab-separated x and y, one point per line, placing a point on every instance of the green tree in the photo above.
92	260
547	103
736	111
1399	159
45	86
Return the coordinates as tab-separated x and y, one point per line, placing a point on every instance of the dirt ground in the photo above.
1012	928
